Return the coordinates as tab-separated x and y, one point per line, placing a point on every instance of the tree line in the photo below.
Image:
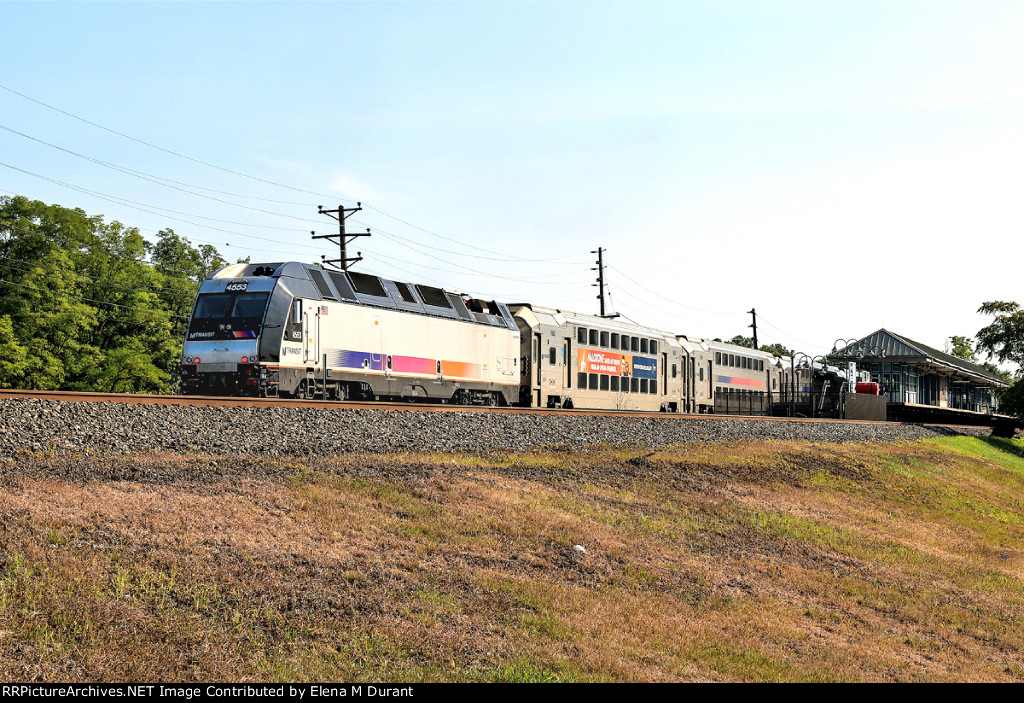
92	305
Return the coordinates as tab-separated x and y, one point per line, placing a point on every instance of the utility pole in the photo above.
600	281
341	214
753	312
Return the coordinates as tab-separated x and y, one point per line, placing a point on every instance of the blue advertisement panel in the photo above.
645	368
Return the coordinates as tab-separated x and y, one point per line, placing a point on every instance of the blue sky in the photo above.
811	159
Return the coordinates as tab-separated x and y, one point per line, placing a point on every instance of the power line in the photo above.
255	178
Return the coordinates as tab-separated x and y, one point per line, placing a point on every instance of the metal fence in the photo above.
727	404
801	404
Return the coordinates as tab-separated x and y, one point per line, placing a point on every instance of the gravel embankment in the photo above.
44	425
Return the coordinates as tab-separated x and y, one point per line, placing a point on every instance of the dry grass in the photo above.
751	561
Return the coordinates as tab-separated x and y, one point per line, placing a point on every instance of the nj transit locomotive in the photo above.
297	330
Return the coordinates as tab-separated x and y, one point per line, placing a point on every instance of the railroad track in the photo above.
216	401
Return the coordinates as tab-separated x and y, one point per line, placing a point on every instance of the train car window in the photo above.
581	335
615	384
430	295
635	384
592	382
249	305
403	290
673	370
593	337
643	385
643	346
551	356
342	284
581	380
615	340
634	344
321	284
654	346
604	339
604	383
702	374
718	357
367	284
212	305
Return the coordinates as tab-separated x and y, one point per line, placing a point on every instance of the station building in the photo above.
913	375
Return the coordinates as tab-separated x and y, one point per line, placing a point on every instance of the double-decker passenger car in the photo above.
585	361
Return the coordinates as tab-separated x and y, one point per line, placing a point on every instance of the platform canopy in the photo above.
890	347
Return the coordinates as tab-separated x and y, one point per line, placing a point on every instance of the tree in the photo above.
961	348
776	349
91	305
741	341
1004	337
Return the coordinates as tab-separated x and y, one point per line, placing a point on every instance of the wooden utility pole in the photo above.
341	214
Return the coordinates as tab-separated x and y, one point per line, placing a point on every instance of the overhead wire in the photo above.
506	257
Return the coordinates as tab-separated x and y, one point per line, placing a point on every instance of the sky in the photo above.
839	166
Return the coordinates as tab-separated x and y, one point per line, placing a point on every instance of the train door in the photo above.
567	364
310	333
377	358
538	356
692	371
664	373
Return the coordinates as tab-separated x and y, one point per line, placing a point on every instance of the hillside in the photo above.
750	560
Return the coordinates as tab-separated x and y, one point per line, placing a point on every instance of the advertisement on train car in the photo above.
601	362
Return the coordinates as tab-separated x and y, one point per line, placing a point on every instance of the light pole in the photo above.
809	360
858	351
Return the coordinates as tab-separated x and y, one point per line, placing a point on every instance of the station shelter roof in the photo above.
884	345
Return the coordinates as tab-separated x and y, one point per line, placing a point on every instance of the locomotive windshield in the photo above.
227	316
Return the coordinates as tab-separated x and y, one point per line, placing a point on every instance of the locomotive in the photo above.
297	330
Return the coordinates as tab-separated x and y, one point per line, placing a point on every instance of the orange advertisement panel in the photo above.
592	361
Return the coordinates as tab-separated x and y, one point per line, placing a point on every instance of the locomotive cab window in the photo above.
222	315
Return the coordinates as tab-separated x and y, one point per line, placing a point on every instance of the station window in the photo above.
593	337
615	384
592	385
615	340
581	380
604	339
551	356
581	335
604	383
